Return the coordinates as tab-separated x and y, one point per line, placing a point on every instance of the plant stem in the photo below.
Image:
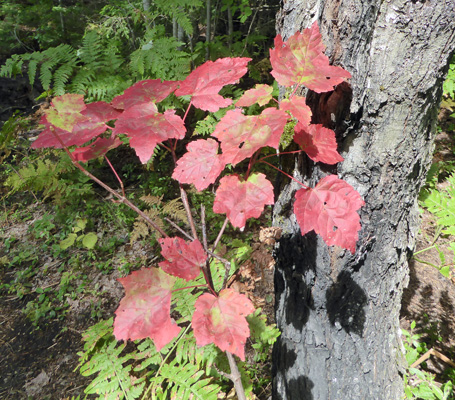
289	176
122	199
235	377
116	175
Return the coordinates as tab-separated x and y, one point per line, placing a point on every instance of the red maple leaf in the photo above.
94	124
204	83
243	200
330	209
145	309
261	94
241	135
146	127
318	142
221	320
300	60
96	149
66	111
150	90
298	108
201	165
182	259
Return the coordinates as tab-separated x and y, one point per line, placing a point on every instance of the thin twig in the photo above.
220	234
236	378
122	199
179	229
116	175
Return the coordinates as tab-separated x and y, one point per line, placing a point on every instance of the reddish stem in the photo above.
121	198
186	112
279	154
293	92
116	175
289	176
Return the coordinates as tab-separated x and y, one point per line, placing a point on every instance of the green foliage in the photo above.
449	83
420	384
54	176
441	203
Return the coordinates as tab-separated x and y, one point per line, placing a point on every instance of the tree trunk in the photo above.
339	313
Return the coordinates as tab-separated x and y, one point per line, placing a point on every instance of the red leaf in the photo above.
151	90
145	309
96	149
204	83
184	259
243	200
298	108
100	111
65	111
242	135
221	320
261	94
201	165
146	127
300	60
330	209
318	142
93	124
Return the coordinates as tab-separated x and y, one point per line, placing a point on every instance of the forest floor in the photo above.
39	360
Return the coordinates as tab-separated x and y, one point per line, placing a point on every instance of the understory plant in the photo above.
184	302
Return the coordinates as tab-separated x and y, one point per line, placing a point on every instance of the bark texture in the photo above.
339	313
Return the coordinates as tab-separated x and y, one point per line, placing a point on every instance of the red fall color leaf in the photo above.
145	309
146	127
96	149
94	124
66	111
300	60
241	135
150	90
261	94
221	320
318	143
298	108
183	259
330	209
201	165
243	200
204	83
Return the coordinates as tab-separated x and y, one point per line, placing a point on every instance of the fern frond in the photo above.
141	228
61	77
176	209
442	204
185	383
114	379
152	200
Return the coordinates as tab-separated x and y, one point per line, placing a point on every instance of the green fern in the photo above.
442	204
185	382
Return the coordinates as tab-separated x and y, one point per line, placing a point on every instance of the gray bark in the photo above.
339	313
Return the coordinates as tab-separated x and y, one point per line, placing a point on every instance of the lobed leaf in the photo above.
221	320
318	143
146	127
242	135
300	60
261	94
243	200
201	165
150	90
183	259
330	209
296	105
204	83
144	311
